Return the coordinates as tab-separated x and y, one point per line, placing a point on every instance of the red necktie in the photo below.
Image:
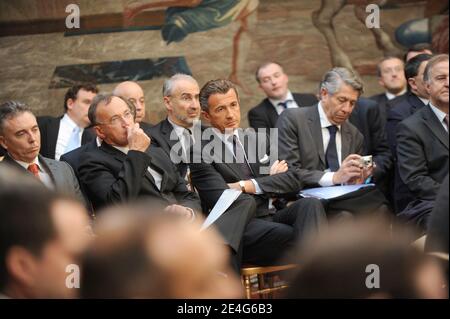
34	169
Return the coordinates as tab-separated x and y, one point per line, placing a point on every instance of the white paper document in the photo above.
226	199
332	191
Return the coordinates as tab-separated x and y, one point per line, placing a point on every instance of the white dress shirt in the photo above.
66	127
424	101
43	175
391	96
327	179
291	104
440	115
156	176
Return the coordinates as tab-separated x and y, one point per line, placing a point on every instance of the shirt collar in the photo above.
123	149
424	101
391	96
289	97
25	165
69	122
225	137
440	115
324	121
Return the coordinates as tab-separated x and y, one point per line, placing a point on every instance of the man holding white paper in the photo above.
324	148
234	163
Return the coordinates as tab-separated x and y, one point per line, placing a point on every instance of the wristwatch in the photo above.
242	185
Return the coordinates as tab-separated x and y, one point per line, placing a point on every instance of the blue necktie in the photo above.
74	141
331	156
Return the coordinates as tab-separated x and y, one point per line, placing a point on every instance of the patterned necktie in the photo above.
74	141
446	121
331	156
241	160
284	104
34	169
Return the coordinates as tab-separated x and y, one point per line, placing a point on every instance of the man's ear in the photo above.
21	266
99	132
2	142
206	116
412	83
70	103
167	103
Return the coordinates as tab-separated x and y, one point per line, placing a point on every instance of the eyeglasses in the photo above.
118	119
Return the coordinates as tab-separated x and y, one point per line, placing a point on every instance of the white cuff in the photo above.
258	190
327	179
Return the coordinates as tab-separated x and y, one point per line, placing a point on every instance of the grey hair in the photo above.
333	80
106	99
431	63
169	84
10	109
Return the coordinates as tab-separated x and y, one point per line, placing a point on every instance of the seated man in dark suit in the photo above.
400	109
366	117
325	149
422	147
60	135
274	82
234	163
180	94
20	136
124	167
391	77
133	92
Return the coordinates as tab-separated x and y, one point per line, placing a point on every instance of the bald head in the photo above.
132	92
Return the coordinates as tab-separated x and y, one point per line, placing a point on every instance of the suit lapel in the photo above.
156	164
52	136
271	113
316	131
432	122
49	167
166	130
250	148
346	140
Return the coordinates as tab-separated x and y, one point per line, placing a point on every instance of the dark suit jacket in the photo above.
400	108
160	135
61	174
366	118
49	127
437	239
211	180
146	127
264	114
422	152
73	158
382	102
301	144
110	176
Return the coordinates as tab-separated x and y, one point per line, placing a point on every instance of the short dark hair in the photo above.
219	86
412	66
73	91
390	57
262	66
25	216
10	109
418	47
106	99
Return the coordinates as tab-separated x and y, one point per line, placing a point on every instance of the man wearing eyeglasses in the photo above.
125	167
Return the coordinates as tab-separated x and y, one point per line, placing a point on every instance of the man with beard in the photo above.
181	98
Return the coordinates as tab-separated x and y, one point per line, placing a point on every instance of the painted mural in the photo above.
150	40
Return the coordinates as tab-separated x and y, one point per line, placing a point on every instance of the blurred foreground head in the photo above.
151	254
363	259
41	234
